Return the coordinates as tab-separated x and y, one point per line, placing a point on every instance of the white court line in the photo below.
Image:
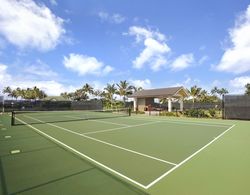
166	173
185	122
100	121
114	129
188	158
107	143
81	154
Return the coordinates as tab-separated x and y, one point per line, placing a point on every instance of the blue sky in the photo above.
60	45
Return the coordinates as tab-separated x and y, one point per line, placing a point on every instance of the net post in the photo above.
129	111
12	118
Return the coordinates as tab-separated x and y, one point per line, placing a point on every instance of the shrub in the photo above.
212	112
165	113
138	112
198	113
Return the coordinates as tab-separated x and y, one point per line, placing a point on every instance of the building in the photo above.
145	99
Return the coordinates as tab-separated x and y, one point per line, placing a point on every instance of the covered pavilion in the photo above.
145	99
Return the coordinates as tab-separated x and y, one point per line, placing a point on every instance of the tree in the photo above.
88	89
222	92
110	90
41	94
195	92
97	93
135	89
8	91
216	91
65	95
124	89
35	92
69	96
247	91
19	92
14	93
80	95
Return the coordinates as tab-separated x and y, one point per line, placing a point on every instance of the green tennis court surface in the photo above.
123	155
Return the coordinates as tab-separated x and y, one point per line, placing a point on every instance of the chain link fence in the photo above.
38	105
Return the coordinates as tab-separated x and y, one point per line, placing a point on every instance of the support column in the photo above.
135	104
169	105
181	104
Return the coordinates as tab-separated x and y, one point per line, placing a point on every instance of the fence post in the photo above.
223	106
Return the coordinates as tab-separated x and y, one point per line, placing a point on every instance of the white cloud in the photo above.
113	18
27	24
142	33
51	87
83	64
40	69
107	69
238	84
4	76
182	62
145	84
154	50
236	59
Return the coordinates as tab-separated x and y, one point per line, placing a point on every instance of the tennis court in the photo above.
140	151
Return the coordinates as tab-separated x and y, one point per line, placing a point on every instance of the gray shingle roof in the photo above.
161	92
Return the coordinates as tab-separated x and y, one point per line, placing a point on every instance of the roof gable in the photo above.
162	92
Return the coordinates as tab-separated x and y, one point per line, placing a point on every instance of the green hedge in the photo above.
203	113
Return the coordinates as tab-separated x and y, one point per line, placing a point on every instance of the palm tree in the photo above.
98	93
110	91
203	96
14	94
42	94
195	93
214	91
247	86
80	95
124	89
8	91
28	94
88	89
222	91
135	89
35	92
65	95
19	92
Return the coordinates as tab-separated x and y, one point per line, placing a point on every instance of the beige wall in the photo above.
144	102
141	104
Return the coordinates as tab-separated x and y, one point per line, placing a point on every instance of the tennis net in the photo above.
37	117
